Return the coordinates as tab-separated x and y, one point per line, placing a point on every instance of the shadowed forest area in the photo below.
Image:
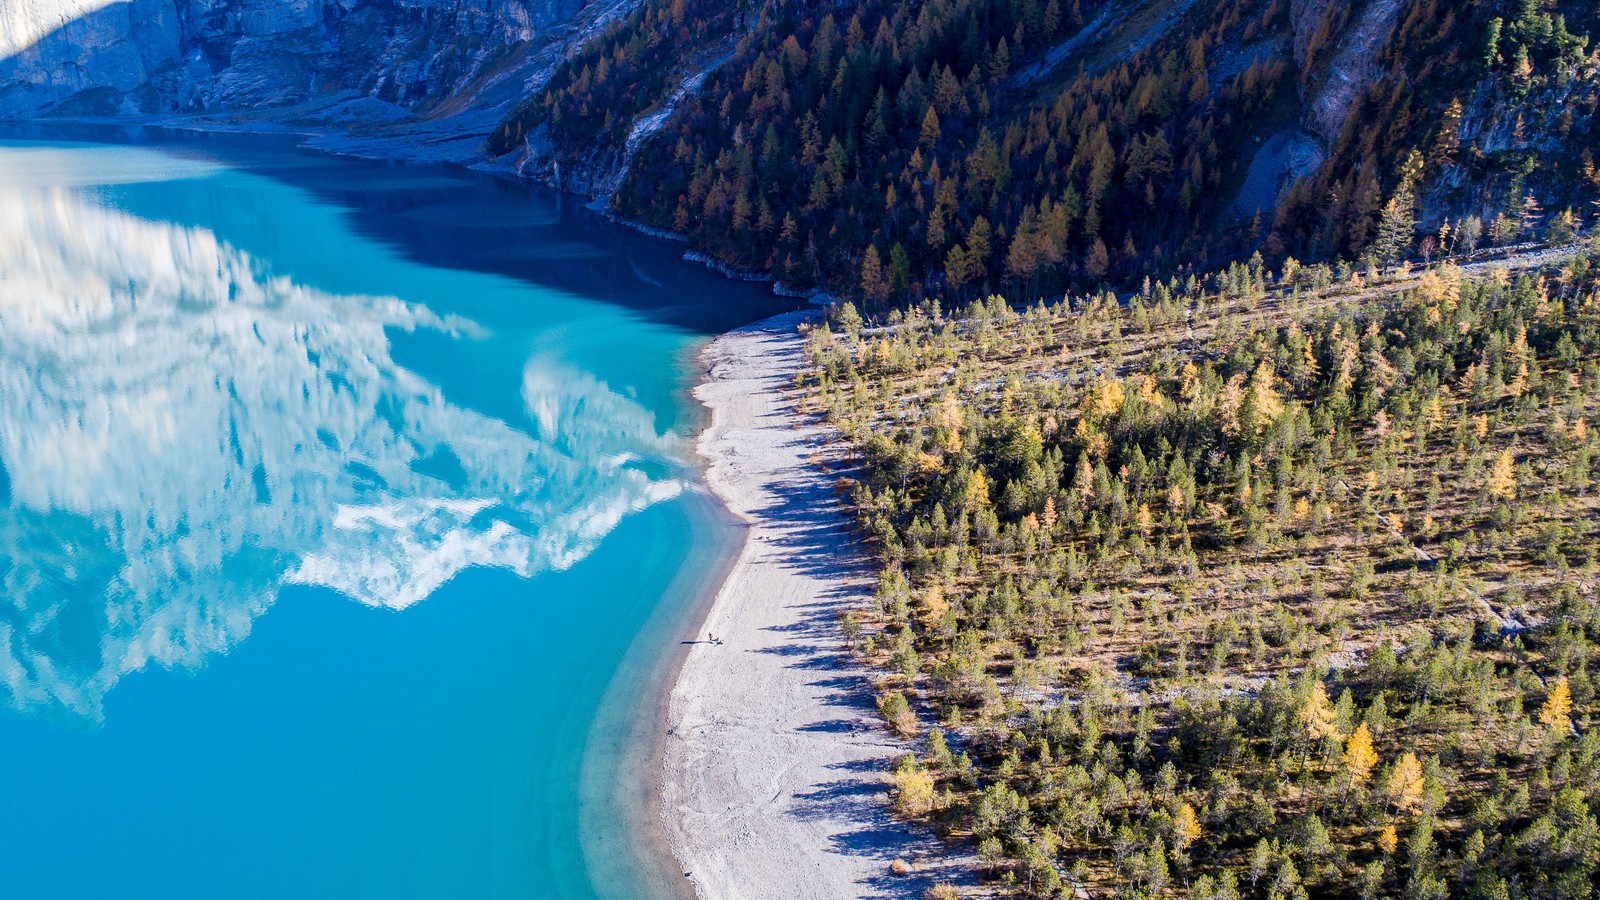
894	152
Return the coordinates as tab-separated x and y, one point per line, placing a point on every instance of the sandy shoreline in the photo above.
774	763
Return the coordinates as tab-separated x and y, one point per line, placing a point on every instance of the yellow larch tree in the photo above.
950	423
1404	788
1104	399
978	491
1185	827
1388	840
914	789
1502	483
934	605
1265	404
1359	757
1302	509
1149	392
1175	500
1556	714
1317	714
1189	382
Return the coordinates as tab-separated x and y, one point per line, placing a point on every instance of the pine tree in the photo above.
873	285
899	268
847	318
957	270
1563	227
1397	226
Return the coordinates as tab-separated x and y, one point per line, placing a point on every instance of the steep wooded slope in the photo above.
951	148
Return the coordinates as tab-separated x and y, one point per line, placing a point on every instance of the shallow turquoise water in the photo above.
335	496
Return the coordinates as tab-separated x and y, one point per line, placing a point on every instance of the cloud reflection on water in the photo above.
183	432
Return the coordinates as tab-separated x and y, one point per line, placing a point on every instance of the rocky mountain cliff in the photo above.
370	67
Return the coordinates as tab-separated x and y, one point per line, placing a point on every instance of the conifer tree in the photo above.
1556	714
1563	227
1397	224
1185	827
1502	481
1099	259
873	285
929	136
1529	214
1359	757
1317	714
1404	787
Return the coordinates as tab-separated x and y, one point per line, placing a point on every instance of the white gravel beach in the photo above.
775	764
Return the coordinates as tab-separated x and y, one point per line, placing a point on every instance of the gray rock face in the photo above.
164	57
1346	50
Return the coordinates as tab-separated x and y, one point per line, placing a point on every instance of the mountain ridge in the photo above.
1073	144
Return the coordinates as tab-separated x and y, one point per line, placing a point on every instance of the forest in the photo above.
1220	552
1275	583
892	152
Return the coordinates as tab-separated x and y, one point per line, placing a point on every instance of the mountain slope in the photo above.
952	148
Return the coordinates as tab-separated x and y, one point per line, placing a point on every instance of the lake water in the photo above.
335	498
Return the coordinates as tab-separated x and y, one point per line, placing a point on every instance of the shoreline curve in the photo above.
774	763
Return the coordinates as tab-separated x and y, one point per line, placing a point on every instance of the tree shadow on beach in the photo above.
804	529
859	798
804	522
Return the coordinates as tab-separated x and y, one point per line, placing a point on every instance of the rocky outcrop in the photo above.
600	173
1337	58
346	66
1311	21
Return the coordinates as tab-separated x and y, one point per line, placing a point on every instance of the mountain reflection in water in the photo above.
183	432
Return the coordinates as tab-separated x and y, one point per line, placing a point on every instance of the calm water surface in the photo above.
334	497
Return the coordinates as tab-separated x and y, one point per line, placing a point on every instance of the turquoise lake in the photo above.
349	524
